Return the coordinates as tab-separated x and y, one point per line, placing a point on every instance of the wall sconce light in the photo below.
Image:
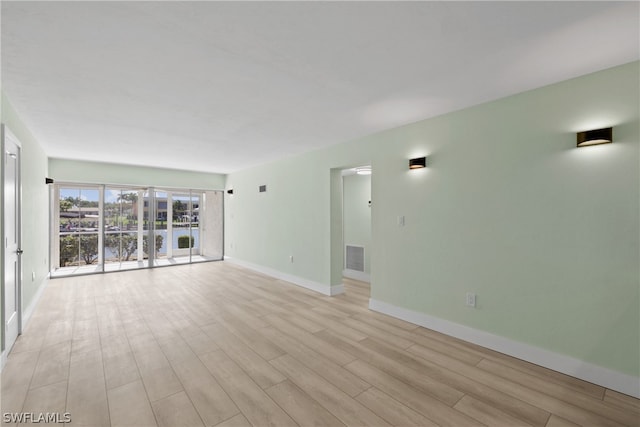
595	137
364	170
417	163
230	191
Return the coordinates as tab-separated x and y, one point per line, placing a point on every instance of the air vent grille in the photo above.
355	258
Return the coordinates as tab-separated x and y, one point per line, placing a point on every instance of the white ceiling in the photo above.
222	86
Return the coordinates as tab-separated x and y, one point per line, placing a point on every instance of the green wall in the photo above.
35	207
109	173
546	234
357	214
267	228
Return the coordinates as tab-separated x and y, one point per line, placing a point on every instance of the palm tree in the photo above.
129	197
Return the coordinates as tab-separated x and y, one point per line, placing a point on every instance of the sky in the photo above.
110	196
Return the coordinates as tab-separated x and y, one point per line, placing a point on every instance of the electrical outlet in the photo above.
471	299
401	221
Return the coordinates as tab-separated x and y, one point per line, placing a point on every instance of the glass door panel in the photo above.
123	229
181	236
78	230
157	209
193	242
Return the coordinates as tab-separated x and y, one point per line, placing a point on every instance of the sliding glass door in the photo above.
77	232
190	226
110	228
124	229
161	211
185	233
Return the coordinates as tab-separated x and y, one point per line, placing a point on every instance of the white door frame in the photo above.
7	342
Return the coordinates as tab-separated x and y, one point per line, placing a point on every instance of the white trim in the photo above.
28	312
26	316
336	290
614	380
356	275
7	135
3	360
296	280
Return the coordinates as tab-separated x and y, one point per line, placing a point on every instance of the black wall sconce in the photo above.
595	137
48	181
418	163
230	191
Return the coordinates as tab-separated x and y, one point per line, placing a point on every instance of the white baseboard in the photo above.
296	280
356	275
26	316
337	290
614	380
28	312
3	360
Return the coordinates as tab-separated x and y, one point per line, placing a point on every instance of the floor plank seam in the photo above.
215	312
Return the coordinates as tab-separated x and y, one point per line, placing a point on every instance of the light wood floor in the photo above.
213	344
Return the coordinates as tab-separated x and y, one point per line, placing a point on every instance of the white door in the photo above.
12	251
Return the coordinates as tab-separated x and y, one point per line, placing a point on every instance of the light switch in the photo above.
401	221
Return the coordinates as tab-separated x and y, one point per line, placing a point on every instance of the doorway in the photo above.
356	220
11	292
351	232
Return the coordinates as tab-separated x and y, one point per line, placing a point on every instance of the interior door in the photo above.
12	250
